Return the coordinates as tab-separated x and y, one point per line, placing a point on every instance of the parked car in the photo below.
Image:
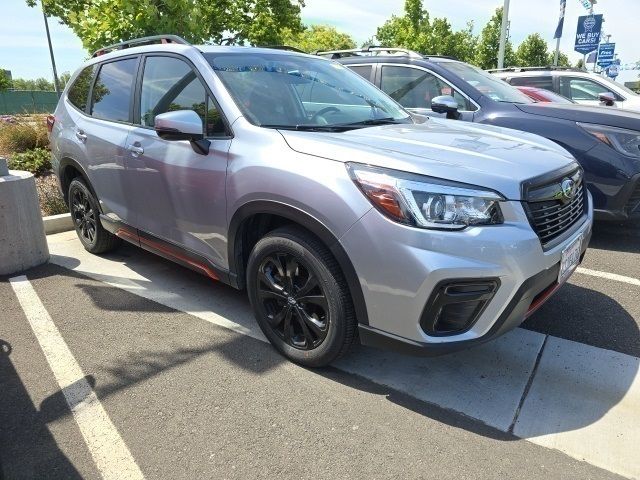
582	87
605	141
542	95
292	177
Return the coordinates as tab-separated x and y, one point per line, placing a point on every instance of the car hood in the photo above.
487	156
614	117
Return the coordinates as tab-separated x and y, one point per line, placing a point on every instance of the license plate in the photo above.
570	259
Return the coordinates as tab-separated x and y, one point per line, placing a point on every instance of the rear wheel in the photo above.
86	219
300	298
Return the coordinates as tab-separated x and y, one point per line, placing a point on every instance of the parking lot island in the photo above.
23	243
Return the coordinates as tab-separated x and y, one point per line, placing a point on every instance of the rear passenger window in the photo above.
111	95
170	84
79	92
545	82
363	70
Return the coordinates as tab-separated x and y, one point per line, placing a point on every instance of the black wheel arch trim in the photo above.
70	162
295	215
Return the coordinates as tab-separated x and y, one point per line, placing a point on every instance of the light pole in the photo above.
503	34
53	61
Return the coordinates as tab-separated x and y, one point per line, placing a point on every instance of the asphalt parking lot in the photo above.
128	366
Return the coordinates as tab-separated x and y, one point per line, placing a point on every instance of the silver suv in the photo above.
341	214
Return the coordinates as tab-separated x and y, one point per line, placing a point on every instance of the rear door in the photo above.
415	87
179	195
104	133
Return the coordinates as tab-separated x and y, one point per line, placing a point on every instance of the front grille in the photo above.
633	205
550	213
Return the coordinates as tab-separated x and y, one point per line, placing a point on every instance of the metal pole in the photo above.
557	54
53	61
503	34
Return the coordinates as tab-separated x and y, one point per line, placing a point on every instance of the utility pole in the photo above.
503	34
53	61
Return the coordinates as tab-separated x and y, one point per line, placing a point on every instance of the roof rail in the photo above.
282	47
371	50
533	69
141	41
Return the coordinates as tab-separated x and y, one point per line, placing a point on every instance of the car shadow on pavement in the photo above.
259	358
619	237
27	447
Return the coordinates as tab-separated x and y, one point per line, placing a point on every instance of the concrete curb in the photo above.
57	223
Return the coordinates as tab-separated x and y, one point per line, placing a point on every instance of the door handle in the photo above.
80	135
135	150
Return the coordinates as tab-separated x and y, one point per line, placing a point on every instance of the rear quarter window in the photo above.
78	93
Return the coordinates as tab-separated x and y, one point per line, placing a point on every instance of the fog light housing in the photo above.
455	305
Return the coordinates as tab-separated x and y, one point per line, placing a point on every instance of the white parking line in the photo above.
111	455
609	276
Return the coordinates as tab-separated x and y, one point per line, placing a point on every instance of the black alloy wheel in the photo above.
294	301
84	216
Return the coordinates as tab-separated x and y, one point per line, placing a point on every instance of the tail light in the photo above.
50	121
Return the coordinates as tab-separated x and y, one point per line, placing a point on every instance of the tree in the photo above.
318	37
416	31
487	50
40	84
532	52
580	63
563	59
5	82
102	22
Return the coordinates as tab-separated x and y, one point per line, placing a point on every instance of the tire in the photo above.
85	214
292	277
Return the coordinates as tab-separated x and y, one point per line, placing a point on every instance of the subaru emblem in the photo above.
568	188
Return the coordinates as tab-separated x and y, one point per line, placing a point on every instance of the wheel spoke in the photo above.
319	300
308	322
291	266
286	329
271	295
276	320
310	284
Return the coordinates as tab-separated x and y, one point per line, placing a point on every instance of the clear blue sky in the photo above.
23	48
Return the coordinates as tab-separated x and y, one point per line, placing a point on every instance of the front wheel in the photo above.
300	298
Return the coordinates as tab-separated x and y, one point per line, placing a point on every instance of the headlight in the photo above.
424	201
624	141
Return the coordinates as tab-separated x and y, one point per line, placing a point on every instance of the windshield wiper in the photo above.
307	128
373	121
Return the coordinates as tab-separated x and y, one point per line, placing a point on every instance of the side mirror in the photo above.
183	125
608	98
446	104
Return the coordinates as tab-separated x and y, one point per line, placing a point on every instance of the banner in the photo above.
606	54
588	33
563	7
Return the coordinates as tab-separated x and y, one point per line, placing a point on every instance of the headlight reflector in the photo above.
624	141
426	202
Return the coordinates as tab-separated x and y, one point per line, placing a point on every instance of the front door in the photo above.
179	194
414	88
586	91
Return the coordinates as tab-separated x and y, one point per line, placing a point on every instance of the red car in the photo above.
542	95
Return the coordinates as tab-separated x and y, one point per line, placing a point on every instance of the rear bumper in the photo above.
531	295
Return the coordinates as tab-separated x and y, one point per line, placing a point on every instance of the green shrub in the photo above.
36	161
23	135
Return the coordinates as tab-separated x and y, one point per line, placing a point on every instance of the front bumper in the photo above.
399	267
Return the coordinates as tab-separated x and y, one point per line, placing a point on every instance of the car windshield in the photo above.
487	84
303	93
618	85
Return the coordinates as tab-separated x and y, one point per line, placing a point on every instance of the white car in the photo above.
580	86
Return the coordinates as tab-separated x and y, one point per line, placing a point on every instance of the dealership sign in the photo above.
588	33
606	54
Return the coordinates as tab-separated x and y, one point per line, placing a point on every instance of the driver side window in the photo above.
170	84
416	88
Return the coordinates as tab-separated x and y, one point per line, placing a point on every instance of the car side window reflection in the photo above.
170	84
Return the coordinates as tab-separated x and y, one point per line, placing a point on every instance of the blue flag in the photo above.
563	7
